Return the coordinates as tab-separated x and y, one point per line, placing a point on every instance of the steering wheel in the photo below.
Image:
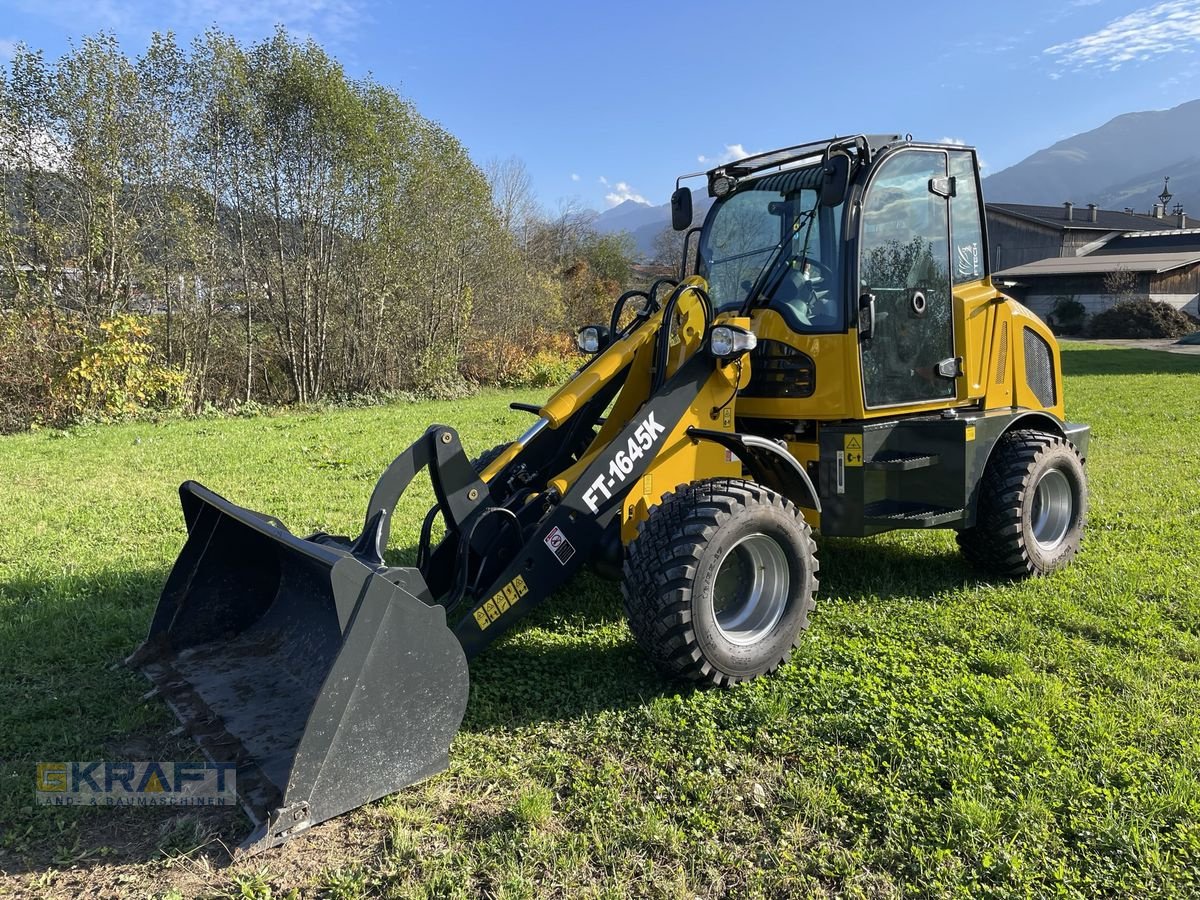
800	293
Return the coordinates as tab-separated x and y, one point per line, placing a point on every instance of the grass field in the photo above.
937	734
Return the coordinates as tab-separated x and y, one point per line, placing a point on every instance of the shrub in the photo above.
1140	318
1068	316
546	360
32	352
115	373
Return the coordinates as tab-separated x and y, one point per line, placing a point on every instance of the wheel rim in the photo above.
1053	507
750	592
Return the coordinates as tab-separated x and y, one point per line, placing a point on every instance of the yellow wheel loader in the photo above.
838	361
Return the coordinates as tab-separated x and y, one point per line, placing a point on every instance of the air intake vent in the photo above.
1039	369
780	370
1002	355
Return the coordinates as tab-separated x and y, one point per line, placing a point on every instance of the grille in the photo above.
1039	369
1002	356
780	370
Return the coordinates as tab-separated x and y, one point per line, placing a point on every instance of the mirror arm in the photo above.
687	240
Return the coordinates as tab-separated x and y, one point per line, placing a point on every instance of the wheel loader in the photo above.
836	360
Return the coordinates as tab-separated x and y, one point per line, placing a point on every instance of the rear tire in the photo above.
1032	507
719	582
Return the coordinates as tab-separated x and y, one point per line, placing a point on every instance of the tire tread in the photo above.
661	563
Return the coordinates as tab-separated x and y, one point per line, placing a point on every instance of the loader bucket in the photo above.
327	681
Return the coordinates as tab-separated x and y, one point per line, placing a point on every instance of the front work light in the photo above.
722	185
592	338
727	340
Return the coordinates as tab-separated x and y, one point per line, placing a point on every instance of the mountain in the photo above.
1184	186
644	221
1121	163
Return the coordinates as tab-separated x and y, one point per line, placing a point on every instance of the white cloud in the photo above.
621	192
8	47
1144	34
603	180
574	176
729	154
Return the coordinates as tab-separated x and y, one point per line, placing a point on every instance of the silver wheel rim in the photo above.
750	592
1053	506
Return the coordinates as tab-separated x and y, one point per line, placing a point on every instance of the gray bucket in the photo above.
327	681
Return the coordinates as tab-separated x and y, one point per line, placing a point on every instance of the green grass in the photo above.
936	735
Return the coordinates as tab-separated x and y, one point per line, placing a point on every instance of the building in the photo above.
1041	254
1020	233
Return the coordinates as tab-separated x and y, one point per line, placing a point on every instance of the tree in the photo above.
285	232
1121	283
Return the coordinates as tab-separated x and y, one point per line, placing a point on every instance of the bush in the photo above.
546	360
32	352
1141	318
1068	316
115	373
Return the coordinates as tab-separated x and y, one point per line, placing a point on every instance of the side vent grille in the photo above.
780	370
1039	369
1002	356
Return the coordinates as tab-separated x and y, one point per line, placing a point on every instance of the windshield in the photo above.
738	247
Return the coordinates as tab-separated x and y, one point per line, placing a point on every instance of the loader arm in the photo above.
563	540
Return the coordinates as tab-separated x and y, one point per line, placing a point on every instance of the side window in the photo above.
965	220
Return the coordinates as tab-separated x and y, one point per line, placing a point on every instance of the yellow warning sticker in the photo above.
854	449
970	433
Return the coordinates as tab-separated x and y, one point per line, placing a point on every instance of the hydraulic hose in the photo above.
663	345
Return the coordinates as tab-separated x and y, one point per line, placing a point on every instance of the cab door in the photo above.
904	275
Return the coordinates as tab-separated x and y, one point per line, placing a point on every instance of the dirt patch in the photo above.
140	853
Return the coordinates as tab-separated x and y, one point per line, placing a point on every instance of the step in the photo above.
902	462
896	514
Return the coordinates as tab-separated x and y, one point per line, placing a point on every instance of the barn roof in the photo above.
1106	219
1096	264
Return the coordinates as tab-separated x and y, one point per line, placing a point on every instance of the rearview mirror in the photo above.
836	181
681	208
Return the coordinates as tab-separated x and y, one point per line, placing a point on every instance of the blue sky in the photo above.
610	101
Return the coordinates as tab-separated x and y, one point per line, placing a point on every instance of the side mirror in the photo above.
836	181
681	208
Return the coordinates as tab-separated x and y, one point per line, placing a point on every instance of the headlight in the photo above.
725	340
592	338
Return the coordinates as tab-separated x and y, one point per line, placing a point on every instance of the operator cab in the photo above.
846	254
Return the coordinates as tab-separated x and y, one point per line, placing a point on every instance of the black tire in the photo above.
1022	527
711	528
484	459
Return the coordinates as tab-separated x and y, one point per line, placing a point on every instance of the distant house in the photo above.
1043	253
1020	233
1165	266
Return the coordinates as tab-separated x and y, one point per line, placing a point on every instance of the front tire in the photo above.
719	582
487	457
1032	507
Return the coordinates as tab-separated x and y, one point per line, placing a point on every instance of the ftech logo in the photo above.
52	776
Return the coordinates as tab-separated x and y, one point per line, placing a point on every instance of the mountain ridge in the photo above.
1118	164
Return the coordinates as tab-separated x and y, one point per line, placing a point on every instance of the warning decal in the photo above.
854	449
562	549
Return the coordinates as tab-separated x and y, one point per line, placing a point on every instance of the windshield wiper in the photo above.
766	274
